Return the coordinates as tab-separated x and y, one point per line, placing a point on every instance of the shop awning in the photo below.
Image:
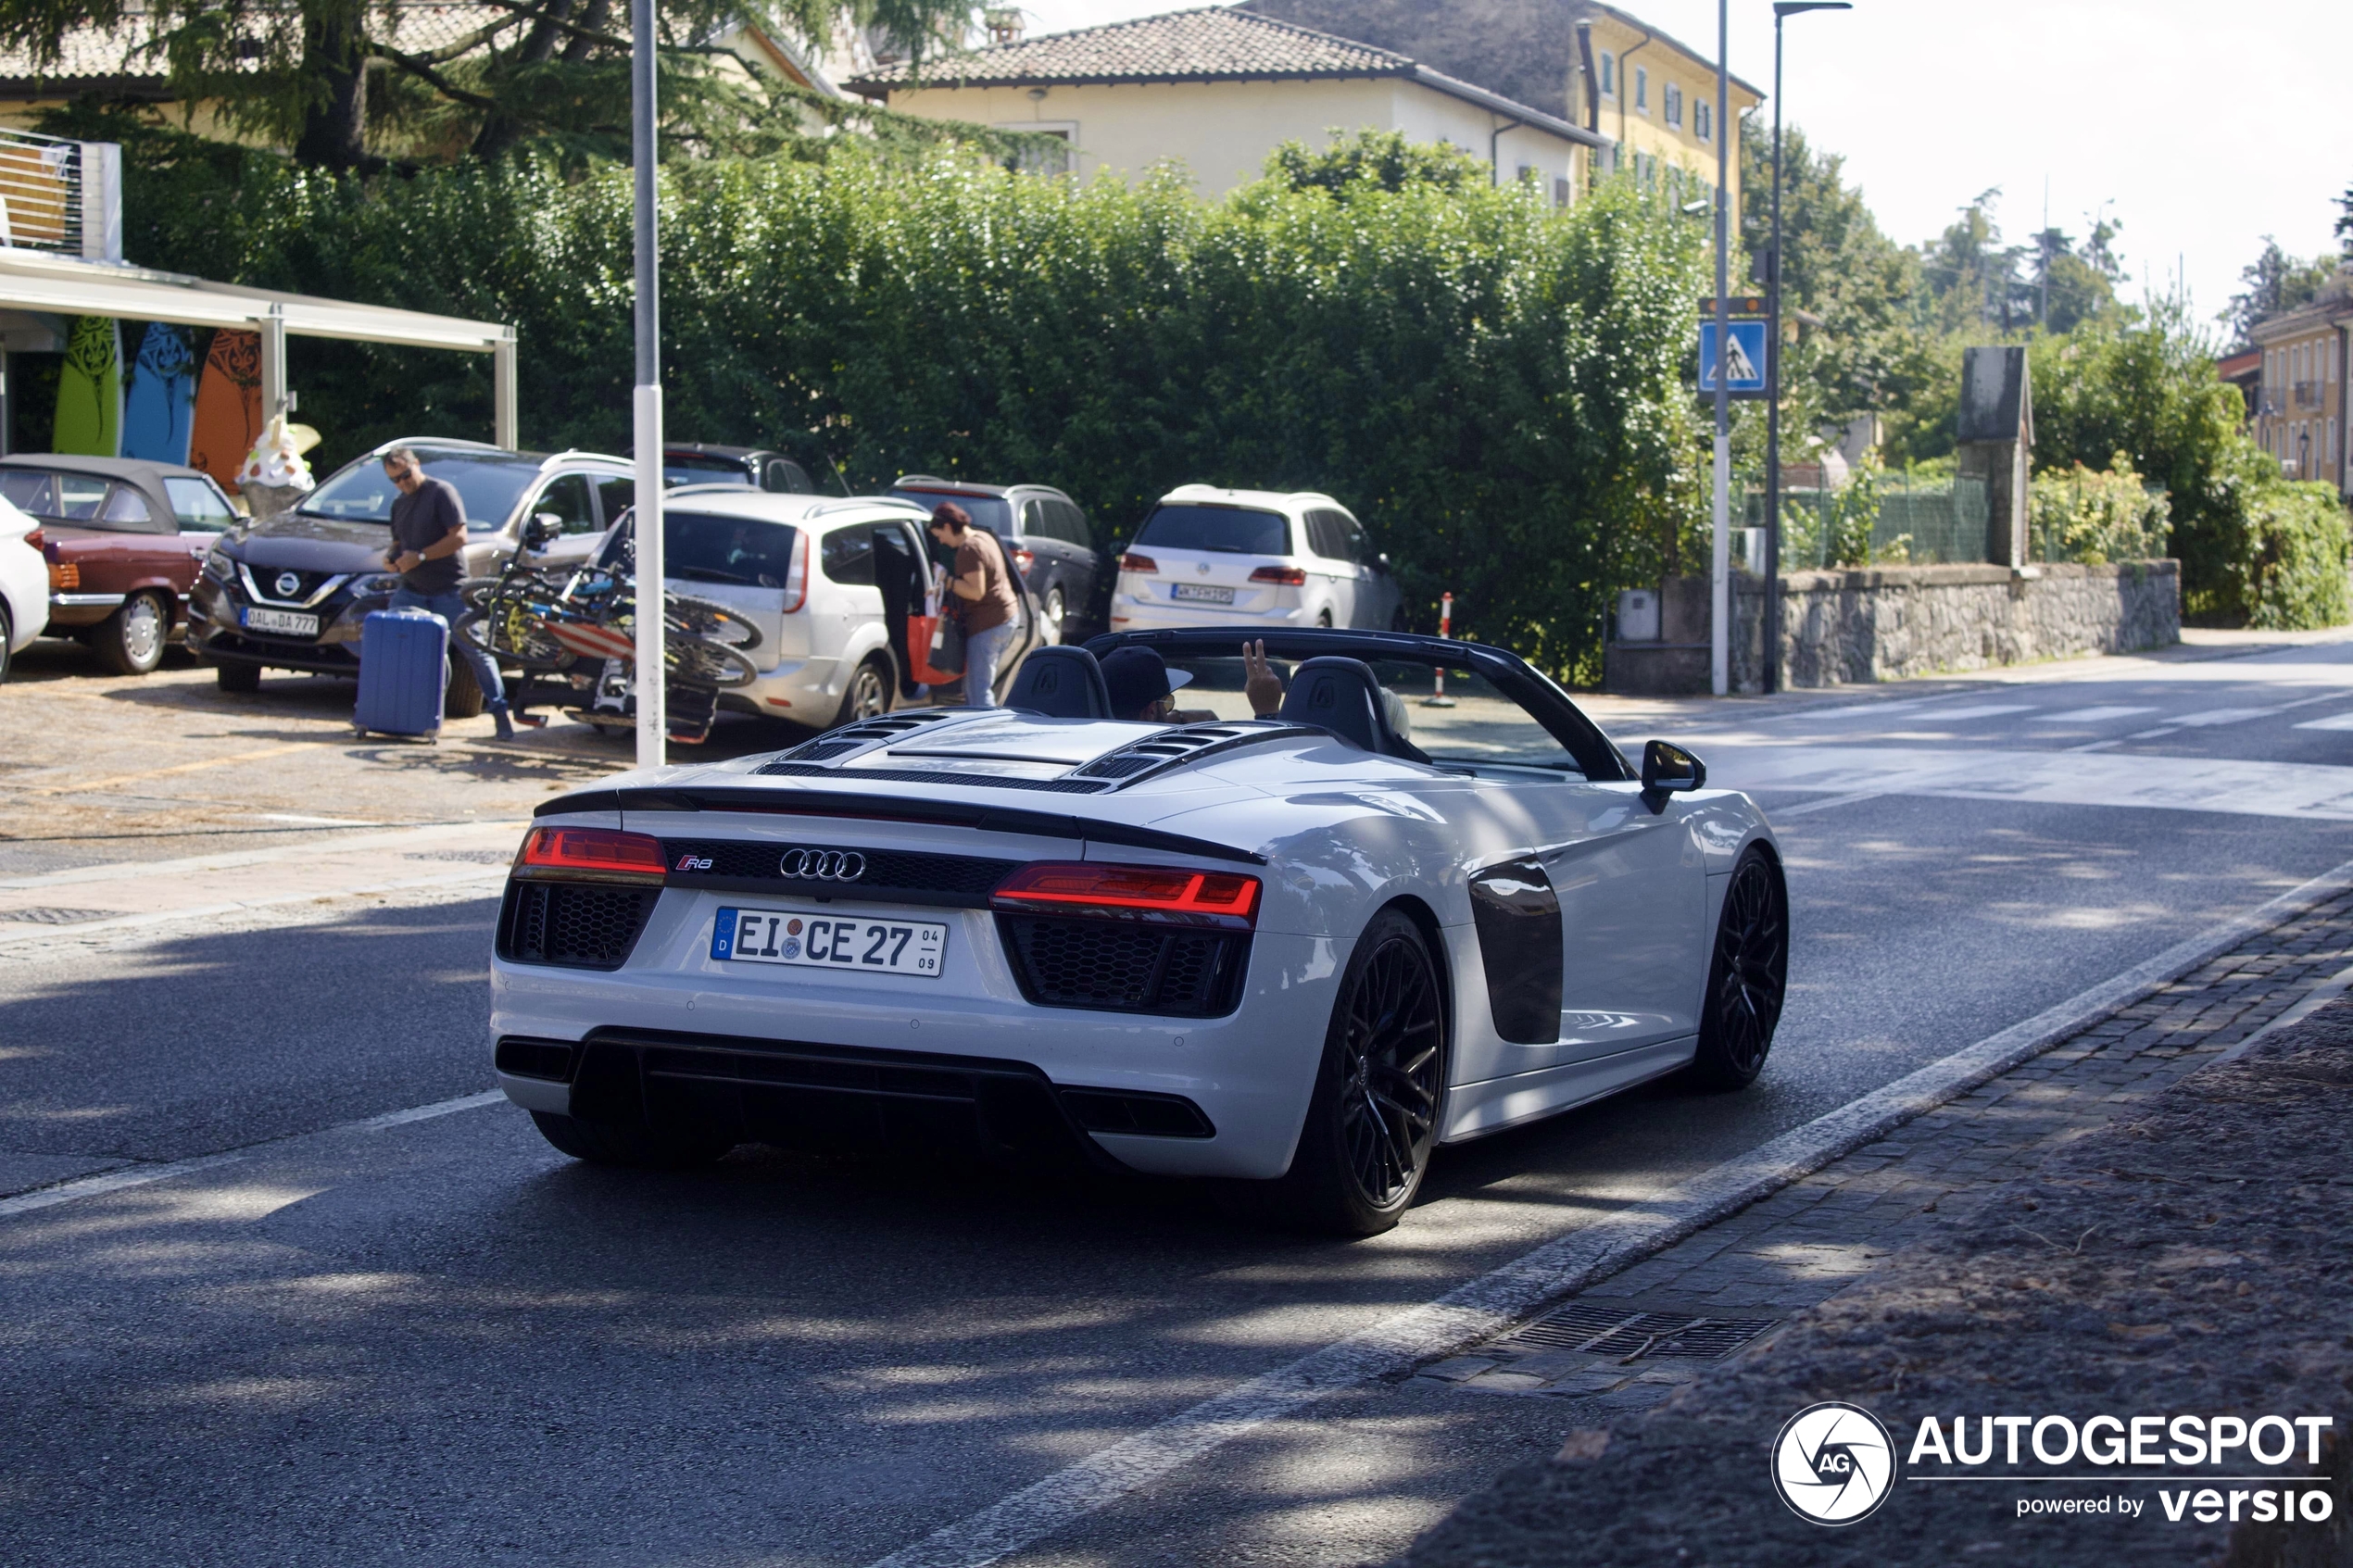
47	284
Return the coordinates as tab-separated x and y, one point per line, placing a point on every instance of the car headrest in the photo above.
1341	695
1061	683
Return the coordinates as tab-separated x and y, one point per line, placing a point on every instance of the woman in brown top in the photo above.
983	590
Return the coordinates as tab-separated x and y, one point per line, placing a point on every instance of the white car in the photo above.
1249	559
1300	951
829	582
24	584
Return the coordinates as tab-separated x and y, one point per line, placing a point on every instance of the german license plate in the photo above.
1200	594
285	622
812	941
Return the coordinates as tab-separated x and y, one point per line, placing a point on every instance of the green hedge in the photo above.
1498	390
2286	568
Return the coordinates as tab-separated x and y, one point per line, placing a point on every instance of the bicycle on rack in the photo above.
579	623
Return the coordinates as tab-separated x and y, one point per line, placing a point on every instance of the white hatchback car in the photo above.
1207	557
829	582
24	584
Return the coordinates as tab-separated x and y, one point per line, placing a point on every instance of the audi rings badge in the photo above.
822	865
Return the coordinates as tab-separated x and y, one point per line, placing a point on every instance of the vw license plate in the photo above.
283	622
796	937
1200	594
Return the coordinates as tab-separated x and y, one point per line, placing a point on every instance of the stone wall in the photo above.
1885	623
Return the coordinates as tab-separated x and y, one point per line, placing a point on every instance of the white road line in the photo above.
141	1175
1493	1301
161	918
429	834
1831	804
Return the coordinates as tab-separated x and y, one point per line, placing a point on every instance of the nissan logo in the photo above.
287	584
823	865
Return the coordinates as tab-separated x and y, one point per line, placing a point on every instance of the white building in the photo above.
1219	90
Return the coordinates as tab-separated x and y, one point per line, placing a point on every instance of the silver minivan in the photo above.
831	583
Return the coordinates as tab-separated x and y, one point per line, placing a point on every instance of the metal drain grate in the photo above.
52	915
478	857
1600	1329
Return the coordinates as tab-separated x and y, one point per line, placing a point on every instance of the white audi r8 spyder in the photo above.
1298	950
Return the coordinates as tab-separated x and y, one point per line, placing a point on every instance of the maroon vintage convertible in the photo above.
126	539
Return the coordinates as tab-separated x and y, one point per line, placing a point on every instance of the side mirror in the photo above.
543	529
1667	768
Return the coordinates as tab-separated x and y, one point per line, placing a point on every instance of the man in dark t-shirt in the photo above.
428	532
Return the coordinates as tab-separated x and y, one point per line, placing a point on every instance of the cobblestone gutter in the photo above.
2188	1248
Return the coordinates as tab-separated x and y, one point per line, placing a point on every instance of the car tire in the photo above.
7	640
1373	1118
1747	978
1324	618
463	698
131	640
605	1143
868	694
244	680
1055	615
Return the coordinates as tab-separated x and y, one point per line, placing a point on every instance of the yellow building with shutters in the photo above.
1654	98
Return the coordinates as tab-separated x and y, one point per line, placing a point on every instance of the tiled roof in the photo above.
1209	44
1216	43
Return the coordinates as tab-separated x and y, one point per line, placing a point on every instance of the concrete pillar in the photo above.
1995	445
272	329
504	408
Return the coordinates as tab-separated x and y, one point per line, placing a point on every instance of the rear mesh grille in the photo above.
926	775
578	926
1125	966
887	870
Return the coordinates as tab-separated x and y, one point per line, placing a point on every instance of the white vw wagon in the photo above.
1207	557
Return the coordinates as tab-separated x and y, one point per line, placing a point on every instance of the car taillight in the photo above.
1025	560
1157	893
797	579
599	853
65	574
1131	561
1289	576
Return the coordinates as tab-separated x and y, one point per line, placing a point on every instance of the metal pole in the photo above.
1720	574
1773	401
653	725
1438	697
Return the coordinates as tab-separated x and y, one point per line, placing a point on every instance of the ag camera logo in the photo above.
1834	1463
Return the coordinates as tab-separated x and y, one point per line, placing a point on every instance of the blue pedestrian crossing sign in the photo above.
1746	366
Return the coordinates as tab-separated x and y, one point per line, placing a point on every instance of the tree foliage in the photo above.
1837	266
342	82
2275	282
1498	390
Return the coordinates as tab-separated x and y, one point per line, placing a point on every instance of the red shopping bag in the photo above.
921	629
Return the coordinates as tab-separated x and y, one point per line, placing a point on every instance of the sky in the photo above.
2202	126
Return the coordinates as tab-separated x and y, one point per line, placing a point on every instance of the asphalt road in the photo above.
441	1342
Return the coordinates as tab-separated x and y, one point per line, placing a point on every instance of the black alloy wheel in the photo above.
1374	1118
1747	978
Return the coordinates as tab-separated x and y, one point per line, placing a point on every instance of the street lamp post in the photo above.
653	719
1782	10
1719	577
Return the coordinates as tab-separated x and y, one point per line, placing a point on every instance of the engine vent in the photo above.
938	776
1122	966
575	924
865	733
1174	748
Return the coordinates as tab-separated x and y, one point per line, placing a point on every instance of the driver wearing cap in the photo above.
1143	689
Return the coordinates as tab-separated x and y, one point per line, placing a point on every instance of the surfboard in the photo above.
89	390
228	413
159	406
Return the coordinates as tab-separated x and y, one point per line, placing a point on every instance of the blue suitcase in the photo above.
404	672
